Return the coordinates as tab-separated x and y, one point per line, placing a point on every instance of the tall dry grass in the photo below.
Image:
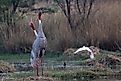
103	29
58	32
17	38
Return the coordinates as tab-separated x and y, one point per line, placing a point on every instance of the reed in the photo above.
103	29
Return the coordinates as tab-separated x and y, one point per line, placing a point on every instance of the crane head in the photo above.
39	15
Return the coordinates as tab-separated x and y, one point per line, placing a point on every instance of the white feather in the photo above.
40	21
85	48
35	32
92	56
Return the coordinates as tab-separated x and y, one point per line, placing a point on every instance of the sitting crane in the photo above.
85	48
39	45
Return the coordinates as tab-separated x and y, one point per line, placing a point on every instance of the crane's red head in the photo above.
32	25
39	15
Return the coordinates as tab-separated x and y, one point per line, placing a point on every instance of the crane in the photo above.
85	48
33	28
39	45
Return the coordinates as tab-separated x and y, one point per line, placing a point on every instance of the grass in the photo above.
53	58
84	74
14	57
102	30
64	74
71	74
22	75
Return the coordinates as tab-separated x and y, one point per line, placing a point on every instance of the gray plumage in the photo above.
38	47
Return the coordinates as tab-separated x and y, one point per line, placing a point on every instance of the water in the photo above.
70	66
92	80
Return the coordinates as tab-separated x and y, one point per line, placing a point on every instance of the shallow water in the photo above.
94	80
70	65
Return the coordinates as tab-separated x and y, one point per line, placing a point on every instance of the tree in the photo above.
83	8
8	13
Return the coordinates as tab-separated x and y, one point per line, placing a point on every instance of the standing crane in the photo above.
85	48
39	45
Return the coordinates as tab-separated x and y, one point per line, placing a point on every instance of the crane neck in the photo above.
40	30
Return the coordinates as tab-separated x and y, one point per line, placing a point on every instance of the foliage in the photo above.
8	9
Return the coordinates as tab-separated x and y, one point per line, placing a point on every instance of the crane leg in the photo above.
37	71
42	65
43	52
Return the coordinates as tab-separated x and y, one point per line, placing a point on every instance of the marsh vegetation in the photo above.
68	25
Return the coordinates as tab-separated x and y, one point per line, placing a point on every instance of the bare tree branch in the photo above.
90	7
68	12
83	6
78	7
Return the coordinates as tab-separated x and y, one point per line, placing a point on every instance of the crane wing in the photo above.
85	48
78	50
82	49
88	49
92	56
